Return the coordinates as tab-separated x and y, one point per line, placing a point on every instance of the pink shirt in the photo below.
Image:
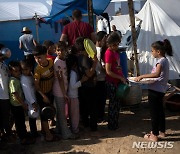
60	66
113	59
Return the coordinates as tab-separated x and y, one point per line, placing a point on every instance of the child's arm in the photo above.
19	99
90	72
61	84
152	75
112	74
38	89
73	80
27	90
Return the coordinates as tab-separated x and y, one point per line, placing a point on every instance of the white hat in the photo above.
25	29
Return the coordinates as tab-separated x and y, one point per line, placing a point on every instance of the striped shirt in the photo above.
45	75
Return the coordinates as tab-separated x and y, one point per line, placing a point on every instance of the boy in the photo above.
27	83
4	97
44	76
50	49
18	106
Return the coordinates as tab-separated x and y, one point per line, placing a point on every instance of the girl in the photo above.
74	84
157	89
114	76
60	86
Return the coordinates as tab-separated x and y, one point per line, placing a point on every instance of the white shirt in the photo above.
27	85
100	72
59	66
73	85
4	81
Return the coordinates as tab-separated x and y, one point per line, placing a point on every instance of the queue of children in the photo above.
76	79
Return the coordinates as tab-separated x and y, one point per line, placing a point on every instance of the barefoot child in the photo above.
158	89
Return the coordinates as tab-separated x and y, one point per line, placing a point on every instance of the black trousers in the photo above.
42	104
5	116
156	111
19	118
88	107
33	126
101	98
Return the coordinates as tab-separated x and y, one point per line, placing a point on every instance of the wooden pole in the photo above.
90	13
133	30
37	30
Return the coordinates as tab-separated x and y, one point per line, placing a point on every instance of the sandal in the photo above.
151	137
161	134
54	139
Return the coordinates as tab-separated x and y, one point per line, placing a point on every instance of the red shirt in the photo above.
75	29
113	59
51	57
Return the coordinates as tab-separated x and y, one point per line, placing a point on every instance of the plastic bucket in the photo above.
48	112
122	90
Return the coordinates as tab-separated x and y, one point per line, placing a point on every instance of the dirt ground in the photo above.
134	122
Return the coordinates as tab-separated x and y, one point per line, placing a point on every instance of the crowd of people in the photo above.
73	84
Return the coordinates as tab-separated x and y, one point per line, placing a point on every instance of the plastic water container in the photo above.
123	62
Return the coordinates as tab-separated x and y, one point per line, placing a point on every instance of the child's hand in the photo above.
66	98
25	106
84	78
46	99
35	107
138	78
123	80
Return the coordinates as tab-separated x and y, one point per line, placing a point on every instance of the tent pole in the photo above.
90	12
133	30
37	31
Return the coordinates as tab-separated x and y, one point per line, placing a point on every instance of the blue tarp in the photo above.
64	8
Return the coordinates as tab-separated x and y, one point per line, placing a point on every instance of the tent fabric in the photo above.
23	9
64	8
158	23
121	22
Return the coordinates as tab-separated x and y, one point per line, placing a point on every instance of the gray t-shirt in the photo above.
160	84
28	45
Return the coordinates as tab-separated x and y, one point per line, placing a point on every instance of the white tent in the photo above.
15	14
122	23
161	21
21	9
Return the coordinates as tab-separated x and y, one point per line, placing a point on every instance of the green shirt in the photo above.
15	86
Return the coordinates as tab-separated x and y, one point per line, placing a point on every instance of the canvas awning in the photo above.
21	9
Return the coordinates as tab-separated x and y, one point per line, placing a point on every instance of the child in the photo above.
4	97
87	94
100	75
60	90
50	49
27	83
158	89
44	76
51	55
74	84
18	106
114	76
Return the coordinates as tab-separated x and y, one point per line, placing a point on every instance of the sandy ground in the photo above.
134	123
